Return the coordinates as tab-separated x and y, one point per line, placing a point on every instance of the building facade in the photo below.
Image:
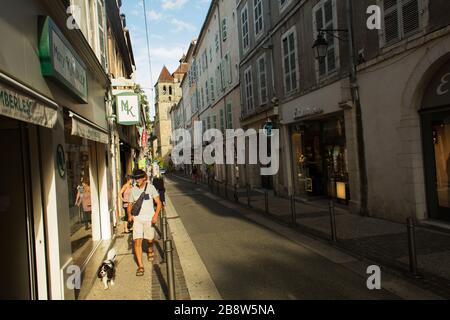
211	92
55	116
167	94
366	128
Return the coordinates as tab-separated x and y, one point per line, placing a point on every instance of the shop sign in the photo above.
301	112
61	161
86	131
438	92
268	127
128	109
60	62
144	141
20	107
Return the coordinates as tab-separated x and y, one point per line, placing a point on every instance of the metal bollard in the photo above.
412	247
170	269
293	213
161	226
266	202
333	221
226	191
165	236
248	196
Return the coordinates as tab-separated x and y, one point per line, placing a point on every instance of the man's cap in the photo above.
138	174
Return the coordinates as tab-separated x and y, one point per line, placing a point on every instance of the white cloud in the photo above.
154	16
172	4
180	25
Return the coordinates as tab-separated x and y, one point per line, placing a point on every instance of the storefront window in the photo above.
80	195
441	139
320	158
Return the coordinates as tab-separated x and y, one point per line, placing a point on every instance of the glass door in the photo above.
437	163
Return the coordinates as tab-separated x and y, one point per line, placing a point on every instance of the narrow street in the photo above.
247	260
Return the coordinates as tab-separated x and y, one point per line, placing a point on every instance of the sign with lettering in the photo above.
17	106
438	91
303	112
60	62
128	109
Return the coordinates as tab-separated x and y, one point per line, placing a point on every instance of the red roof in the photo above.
182	69
165	75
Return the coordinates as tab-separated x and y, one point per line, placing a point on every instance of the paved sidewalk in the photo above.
382	241
152	286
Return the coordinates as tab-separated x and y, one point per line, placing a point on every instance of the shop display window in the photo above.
80	195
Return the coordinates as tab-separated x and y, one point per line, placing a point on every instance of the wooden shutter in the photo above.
410	16
391	21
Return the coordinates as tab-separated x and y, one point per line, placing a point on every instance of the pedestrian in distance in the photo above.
158	183
124	195
142	212
195	174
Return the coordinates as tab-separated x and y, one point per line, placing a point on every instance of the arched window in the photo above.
170	90
164	90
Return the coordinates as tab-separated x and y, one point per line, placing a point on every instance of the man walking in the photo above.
143	194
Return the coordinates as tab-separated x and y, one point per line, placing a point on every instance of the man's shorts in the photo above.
143	230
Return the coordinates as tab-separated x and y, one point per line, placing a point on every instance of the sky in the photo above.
172	25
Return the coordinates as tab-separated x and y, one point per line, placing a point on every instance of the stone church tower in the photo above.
167	94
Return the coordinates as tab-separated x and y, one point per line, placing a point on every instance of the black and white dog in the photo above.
107	270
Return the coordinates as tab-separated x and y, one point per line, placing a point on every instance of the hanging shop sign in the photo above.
144	139
20	107
60	62
128	109
300	113
82	129
268	127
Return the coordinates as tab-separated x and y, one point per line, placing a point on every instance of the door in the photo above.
17	266
436	132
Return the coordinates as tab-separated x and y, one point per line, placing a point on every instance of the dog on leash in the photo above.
107	270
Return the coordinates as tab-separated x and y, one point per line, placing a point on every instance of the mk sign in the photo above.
127	108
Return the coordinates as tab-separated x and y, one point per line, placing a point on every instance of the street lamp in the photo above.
320	45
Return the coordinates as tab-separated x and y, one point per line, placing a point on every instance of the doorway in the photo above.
17	270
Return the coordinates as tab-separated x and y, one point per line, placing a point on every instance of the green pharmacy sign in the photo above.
60	62
128	109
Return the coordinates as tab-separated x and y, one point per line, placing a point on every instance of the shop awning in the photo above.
16	105
85	129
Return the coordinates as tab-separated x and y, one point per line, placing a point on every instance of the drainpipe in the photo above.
359	122
112	151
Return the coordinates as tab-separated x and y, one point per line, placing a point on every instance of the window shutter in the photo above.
319	19
410	15
391	21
